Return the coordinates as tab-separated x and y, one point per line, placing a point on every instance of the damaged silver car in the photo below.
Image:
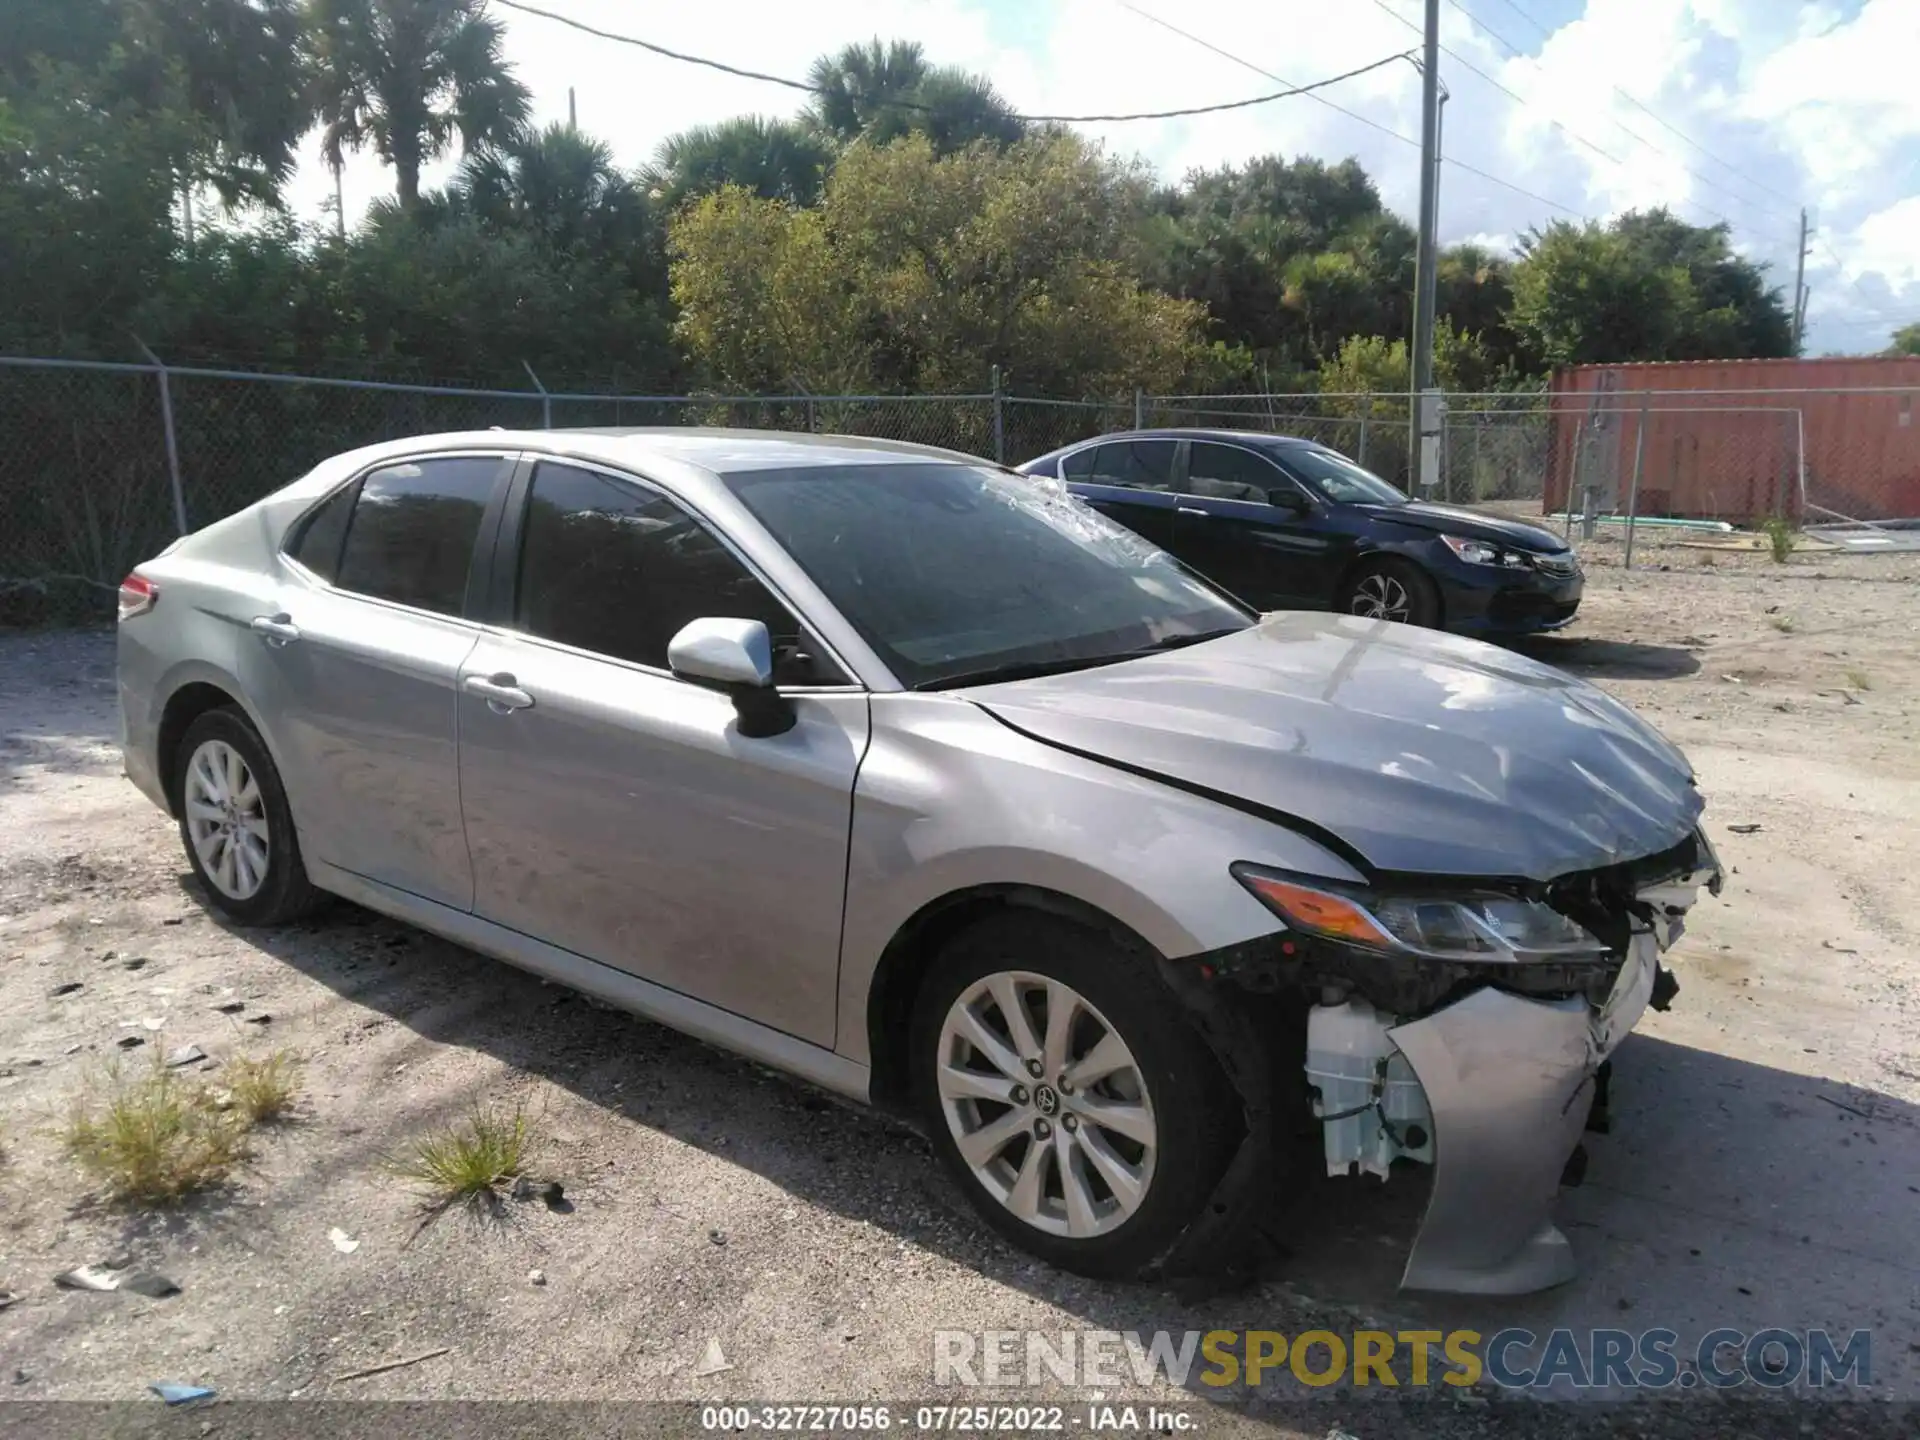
927	783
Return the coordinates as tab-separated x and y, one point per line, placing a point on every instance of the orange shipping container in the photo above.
1740	440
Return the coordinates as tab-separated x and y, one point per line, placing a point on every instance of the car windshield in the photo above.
1338	478
960	575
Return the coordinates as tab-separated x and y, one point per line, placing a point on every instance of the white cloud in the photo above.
1791	101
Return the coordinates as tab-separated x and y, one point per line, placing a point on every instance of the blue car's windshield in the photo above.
1337	478
956	574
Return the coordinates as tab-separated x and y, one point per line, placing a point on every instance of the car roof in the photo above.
1244	437
718	450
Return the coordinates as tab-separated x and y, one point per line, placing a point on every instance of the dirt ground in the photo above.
1762	1169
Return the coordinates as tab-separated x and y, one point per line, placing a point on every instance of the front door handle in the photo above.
503	697
276	630
1192	510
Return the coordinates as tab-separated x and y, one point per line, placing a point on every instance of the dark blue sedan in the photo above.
1287	524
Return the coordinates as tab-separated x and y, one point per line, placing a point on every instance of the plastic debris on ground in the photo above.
712	1360
175	1394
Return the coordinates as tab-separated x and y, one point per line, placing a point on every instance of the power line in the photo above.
914	105
1467	64
1637	104
1241	60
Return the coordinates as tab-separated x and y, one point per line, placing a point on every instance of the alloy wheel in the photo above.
1046	1104
227	820
1381	596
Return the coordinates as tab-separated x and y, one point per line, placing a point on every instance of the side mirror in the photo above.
1287	498
735	656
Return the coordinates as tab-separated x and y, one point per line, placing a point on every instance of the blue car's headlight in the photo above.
1485	552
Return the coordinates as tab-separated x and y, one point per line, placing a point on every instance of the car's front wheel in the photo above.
1081	1113
235	823
1389	588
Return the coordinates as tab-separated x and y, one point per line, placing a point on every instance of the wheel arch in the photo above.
910	953
192	693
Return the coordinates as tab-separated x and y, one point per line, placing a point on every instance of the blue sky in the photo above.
1734	110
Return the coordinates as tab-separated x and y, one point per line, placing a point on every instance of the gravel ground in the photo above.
821	1246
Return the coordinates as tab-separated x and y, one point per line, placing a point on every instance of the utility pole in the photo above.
573	118
1800	283
1426	447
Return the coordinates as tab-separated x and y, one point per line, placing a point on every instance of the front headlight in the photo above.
1462	926
1483	552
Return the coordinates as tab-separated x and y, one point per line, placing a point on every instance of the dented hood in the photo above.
1424	752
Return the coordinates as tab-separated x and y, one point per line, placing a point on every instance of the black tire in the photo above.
1196	1114
284	893
1375	586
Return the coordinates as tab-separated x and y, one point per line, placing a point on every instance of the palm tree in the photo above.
854	87
559	184
884	90
408	76
236	65
776	159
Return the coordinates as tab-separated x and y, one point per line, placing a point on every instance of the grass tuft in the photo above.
1858	678
1779	538
154	1139
1782	623
263	1089
475	1160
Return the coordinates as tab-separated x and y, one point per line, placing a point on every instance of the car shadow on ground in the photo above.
1728	1194
1607	659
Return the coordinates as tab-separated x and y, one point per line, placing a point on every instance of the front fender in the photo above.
948	799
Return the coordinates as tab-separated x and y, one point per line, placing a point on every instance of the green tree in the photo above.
233	65
1906	340
1643	287
775	159
86	199
929	270
1289	257
562	186
1583	296
236	64
410	77
764	302
882	91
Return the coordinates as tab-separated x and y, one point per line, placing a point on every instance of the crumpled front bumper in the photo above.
1508	1082
1494	1090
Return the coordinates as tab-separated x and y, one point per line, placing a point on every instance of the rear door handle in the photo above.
1191	510
276	630
503	697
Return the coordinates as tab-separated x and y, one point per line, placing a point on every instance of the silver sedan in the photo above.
927	783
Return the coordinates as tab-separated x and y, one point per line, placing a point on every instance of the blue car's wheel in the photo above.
1390	589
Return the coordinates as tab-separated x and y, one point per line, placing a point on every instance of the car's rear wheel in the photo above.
1391	589
1084	1118
235	823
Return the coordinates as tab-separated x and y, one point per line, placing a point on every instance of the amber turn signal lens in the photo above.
1318	911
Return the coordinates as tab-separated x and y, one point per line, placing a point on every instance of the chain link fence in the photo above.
101	465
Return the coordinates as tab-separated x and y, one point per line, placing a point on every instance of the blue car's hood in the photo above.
1424	752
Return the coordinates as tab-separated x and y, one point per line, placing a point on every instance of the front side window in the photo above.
956	575
616	569
410	539
1226	472
1331	474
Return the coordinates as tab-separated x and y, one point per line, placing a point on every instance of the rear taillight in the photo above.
137	595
